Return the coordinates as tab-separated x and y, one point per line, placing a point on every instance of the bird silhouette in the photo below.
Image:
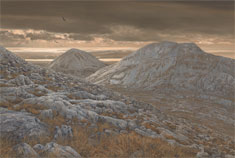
63	18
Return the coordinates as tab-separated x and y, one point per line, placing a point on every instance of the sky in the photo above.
49	24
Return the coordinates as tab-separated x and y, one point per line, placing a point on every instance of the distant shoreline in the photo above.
49	60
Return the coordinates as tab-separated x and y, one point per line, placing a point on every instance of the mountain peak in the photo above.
169	44
161	44
75	51
76	62
165	48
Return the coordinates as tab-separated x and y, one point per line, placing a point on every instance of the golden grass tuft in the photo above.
53	88
38	93
124	145
121	145
5	148
9	104
5	85
152	126
31	108
72	96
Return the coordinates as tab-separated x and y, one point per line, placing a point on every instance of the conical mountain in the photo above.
169	65
76	62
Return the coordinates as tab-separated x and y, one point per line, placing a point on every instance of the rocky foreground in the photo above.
48	114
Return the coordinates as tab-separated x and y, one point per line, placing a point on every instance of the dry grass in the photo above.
53	88
171	125
5	85
112	114
9	104
72	96
34	109
121	145
6	145
57	120
124	145
5	148
9	76
152	126
38	93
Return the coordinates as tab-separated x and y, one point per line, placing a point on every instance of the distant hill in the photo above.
76	62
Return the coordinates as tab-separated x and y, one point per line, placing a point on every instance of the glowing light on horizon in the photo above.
221	52
49	60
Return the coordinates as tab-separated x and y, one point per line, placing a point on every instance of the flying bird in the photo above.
63	18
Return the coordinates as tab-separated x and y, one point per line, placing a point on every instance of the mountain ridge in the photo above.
171	65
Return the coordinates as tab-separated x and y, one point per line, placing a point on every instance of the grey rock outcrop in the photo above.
24	150
86	95
147	133
202	153
63	132
15	93
116	122
17	126
21	80
38	148
45	114
55	150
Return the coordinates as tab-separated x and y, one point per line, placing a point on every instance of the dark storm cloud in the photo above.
41	36
86	19
81	37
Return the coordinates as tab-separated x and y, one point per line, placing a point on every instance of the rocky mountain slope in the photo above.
49	114
171	66
181	80
76	62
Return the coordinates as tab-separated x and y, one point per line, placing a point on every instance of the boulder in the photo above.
48	113
63	132
55	150
17	126
147	133
122	124
21	80
24	150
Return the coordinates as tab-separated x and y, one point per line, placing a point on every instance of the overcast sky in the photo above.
40	23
